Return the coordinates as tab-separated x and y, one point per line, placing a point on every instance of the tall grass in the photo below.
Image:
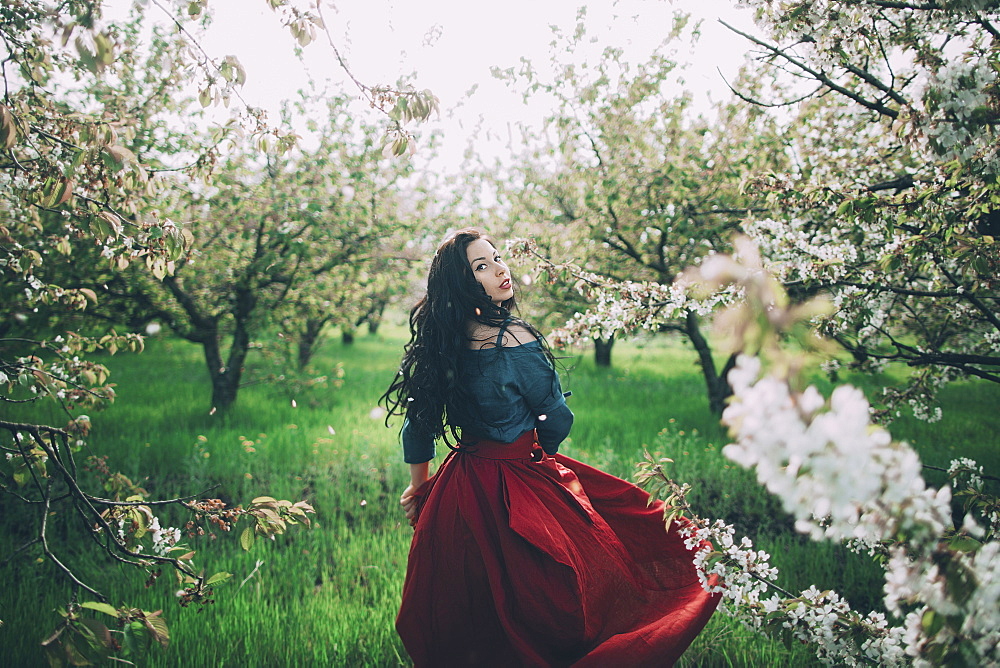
328	596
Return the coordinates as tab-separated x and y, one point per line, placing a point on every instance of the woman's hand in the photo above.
409	503
419	475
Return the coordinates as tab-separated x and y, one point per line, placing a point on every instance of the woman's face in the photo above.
490	270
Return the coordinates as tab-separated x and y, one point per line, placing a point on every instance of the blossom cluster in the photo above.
820	618
799	452
846	479
823	619
620	306
944	602
745	572
876	312
629	306
163	539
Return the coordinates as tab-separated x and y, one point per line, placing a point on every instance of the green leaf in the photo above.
964	543
232	70
713	559
105	50
100	607
22	476
117	157
158	267
247	538
141	522
218	577
157	628
174	241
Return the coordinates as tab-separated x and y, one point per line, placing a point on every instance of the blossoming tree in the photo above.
296	231
82	153
894	205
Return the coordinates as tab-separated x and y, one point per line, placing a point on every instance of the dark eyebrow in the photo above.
478	259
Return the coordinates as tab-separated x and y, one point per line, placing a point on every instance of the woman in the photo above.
520	556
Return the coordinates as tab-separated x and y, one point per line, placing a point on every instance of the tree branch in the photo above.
818	76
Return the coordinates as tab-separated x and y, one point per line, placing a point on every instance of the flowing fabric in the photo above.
525	559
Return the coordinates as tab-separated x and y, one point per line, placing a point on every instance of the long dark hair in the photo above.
428	382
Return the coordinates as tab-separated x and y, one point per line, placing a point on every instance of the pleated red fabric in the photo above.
524	559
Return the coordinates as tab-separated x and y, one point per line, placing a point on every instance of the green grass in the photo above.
328	596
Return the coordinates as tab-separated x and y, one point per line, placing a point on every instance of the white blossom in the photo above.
163	539
844	478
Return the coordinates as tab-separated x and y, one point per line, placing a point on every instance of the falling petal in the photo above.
294	405
363	503
212	412
330	429
543	418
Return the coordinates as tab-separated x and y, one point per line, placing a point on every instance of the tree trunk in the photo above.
375	317
204	330
716	384
225	382
347	336
226	377
602	350
225	388
308	338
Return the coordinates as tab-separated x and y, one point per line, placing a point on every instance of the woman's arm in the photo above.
419	474
418	445
418	450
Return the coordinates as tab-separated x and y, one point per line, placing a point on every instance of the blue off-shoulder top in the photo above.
511	390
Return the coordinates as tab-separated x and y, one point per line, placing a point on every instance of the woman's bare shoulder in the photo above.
485	336
517	335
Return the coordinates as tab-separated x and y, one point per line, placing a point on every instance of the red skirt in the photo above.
524	559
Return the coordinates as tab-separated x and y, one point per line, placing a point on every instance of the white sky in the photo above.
384	39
